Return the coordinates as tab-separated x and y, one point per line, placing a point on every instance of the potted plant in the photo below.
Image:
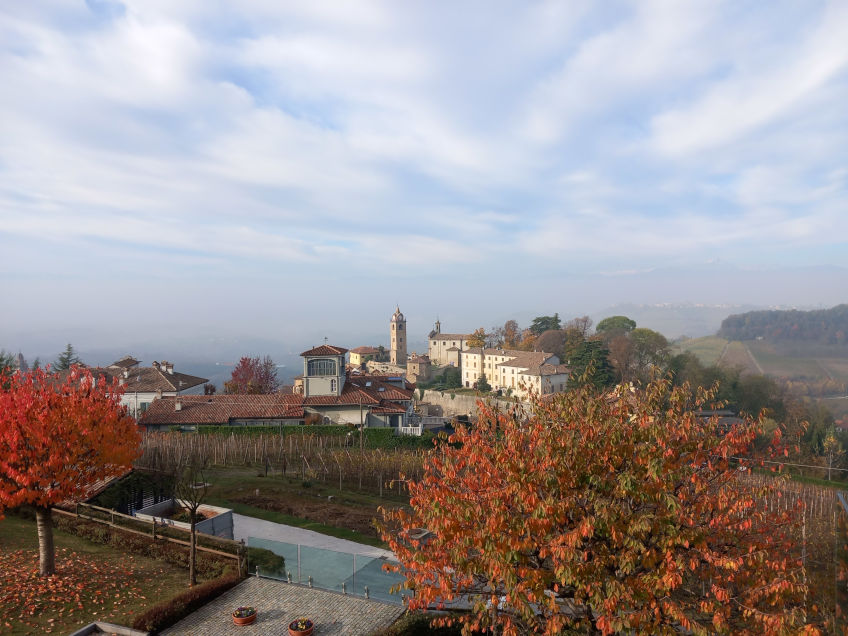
301	627
244	615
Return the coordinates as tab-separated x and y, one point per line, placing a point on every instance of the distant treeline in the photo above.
824	326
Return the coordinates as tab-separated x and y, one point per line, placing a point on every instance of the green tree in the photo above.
590	366
650	350
452	378
67	358
616	323
7	367
542	324
483	384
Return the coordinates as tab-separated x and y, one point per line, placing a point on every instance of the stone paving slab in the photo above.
279	603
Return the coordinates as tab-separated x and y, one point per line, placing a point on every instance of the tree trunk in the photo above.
46	553
192	554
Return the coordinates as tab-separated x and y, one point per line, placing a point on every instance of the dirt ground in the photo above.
339	515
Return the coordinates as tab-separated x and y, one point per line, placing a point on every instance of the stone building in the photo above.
444	349
398	338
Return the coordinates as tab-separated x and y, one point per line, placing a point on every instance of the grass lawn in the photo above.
289	501
707	349
92	582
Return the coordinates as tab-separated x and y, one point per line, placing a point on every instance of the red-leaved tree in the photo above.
56	439
253	375
616	513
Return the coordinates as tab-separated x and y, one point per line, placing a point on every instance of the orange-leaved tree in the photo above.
616	512
57	438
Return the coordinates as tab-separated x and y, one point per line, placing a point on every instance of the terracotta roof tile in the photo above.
325	350
222	409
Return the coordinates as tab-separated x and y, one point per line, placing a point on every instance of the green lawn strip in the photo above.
298	522
155	581
816	481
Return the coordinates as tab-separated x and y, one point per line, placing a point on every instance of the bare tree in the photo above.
190	490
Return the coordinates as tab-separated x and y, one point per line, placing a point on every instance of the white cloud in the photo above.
752	97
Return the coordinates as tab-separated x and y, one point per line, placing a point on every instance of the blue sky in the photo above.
281	168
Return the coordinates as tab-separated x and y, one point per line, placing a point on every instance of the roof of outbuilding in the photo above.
145	379
222	409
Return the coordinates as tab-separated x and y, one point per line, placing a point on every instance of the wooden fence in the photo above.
158	532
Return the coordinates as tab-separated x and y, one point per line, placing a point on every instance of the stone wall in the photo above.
459	404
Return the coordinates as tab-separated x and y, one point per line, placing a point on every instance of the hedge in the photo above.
166	613
209	566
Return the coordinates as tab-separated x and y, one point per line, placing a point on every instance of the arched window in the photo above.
333	385
321	367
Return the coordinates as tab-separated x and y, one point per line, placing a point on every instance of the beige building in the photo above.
520	372
361	355
398	338
444	349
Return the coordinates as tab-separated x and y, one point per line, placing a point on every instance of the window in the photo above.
321	366
333	385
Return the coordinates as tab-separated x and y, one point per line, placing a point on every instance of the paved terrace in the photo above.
280	603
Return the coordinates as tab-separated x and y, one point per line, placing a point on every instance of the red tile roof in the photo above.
222	409
374	392
325	350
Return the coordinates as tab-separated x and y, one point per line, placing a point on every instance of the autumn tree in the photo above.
7	368
625	514
511	334
253	375
477	339
528	340
583	324
56	439
66	359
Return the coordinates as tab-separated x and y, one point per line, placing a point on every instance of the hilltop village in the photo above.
365	386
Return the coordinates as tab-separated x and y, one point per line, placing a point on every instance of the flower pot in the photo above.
301	632
243	620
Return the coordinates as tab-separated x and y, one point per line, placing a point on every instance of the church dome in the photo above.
397	316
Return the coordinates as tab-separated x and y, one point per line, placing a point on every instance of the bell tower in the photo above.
398	338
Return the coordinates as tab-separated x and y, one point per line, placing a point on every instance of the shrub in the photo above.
208	566
166	613
269	563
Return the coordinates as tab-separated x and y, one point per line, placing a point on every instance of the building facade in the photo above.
521	373
444	349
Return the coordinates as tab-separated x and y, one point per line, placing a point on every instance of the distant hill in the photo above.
674	320
821	326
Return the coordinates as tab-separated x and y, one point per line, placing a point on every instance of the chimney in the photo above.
126	373
158	394
155	364
178	404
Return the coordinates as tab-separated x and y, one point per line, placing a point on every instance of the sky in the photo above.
288	170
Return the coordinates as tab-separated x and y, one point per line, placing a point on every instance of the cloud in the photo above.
752	97
329	140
